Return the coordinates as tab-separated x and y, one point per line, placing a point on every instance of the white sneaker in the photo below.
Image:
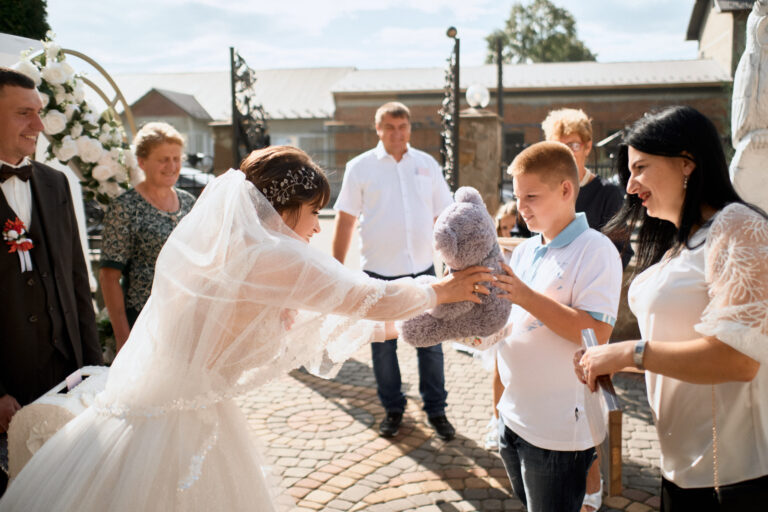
594	500
492	434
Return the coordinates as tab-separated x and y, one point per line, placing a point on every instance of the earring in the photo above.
685	183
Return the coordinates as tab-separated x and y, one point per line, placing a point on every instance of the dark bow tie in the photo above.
23	173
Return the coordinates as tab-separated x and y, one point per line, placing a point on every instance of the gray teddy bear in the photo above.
464	235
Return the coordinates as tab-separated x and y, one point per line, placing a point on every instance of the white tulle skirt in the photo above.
185	461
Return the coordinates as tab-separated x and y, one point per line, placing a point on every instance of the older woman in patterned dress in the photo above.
138	224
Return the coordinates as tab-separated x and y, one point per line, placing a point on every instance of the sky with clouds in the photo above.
194	35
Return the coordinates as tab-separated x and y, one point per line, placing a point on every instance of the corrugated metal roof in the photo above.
284	93
561	75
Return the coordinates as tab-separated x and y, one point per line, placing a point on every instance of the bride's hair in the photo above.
288	178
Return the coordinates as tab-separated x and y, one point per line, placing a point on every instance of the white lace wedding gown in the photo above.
165	434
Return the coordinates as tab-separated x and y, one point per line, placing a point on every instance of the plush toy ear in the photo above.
445	241
468	195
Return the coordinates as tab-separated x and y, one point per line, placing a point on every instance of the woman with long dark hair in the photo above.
701	300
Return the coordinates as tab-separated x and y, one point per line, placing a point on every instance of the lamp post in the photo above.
499	81
450	115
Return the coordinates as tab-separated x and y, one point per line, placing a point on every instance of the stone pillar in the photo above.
749	112
480	154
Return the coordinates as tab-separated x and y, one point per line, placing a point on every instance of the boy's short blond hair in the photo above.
552	162
565	121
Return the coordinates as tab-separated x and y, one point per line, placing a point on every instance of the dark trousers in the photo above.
386	369
748	496
544	480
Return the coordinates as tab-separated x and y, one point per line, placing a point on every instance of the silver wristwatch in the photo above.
638	354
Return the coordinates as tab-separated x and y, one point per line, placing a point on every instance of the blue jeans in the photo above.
544	480
386	369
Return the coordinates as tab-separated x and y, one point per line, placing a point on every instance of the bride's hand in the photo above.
464	285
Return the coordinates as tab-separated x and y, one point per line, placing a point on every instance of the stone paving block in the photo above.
318	496
638	507
636	495
618	502
492	505
338	504
398	505
310	505
653	502
297	472
379	478
513	504
384	496
434	485
342	482
356	493
389	471
420	500
476	494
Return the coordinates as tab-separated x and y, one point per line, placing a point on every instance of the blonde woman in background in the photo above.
137	225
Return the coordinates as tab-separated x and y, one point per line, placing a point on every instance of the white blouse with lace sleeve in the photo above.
717	287
736	269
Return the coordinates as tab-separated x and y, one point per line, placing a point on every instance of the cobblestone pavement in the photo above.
321	439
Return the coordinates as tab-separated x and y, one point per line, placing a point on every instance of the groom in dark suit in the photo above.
47	325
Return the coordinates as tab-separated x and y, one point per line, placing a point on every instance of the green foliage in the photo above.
26	18
538	32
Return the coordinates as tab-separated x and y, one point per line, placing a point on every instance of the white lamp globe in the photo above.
478	96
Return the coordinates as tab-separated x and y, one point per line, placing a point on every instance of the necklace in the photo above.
173	215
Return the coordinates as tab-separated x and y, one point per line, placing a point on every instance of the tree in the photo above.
539	32
26	18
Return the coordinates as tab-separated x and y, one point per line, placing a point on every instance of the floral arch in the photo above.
95	146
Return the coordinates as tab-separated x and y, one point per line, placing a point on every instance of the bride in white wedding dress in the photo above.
238	299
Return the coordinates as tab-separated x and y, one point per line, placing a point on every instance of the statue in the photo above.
749	113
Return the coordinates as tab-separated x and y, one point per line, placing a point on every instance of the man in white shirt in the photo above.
396	192
47	325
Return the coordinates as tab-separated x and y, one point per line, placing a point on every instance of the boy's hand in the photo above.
514	289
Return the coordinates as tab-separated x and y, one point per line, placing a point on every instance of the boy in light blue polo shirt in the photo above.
566	279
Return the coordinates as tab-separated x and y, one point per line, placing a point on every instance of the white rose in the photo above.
104	138
12	234
54	122
69	70
77	130
89	149
79	92
117	137
52	51
70	110
44	98
102	172
130	160
55	73
26	67
66	150
60	95
110	188
90	117
121	175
